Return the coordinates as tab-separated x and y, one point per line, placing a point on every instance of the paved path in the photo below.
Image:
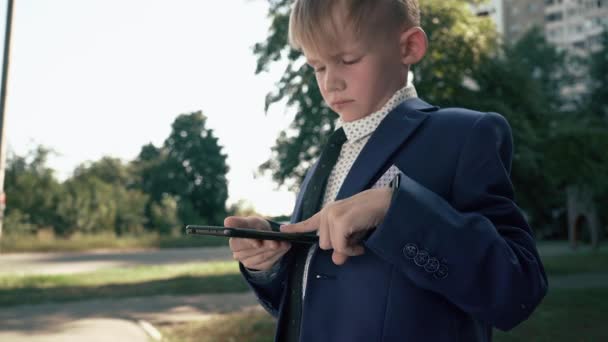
64	263
90	330
114	320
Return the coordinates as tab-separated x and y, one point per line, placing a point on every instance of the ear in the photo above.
412	45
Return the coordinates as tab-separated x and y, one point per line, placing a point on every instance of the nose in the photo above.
333	81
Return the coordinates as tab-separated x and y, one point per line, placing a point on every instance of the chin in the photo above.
348	117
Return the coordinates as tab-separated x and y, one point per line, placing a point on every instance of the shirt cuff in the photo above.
264	276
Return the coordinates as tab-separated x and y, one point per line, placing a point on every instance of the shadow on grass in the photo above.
182	285
565	315
27	243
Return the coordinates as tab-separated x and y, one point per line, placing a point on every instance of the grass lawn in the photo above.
584	262
21	243
195	278
250	326
565	315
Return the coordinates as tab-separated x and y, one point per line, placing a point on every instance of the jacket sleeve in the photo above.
477	250
268	289
268	285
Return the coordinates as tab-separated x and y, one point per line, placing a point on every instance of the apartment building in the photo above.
572	25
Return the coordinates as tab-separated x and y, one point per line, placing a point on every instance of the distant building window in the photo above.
579	45
556	16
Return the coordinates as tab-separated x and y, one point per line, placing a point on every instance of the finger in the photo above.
338	258
339	238
257	260
235	221
284	245
306	226
270	244
239	244
248	253
251	222
324	233
257	223
268	263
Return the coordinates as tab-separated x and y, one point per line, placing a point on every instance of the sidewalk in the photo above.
111	320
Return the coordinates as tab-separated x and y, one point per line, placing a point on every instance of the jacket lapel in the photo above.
392	133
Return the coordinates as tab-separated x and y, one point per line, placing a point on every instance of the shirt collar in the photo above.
365	126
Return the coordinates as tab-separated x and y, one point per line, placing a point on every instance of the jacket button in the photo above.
410	250
432	265
441	272
421	258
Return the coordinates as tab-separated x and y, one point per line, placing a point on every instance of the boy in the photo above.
419	236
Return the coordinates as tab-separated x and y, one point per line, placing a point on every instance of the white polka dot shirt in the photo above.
358	133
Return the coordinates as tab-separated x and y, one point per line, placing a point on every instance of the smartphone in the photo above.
304	238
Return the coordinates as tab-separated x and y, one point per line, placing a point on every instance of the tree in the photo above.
190	167
32	192
522	82
108	169
598	70
97	198
187	173
163	215
458	40
151	172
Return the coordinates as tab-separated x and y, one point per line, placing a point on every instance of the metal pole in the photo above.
7	44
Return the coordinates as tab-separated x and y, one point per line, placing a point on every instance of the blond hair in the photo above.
314	23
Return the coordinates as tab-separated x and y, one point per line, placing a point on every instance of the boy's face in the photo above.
358	77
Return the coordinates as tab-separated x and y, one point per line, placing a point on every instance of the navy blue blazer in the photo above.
454	255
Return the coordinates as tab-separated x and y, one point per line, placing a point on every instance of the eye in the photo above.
350	61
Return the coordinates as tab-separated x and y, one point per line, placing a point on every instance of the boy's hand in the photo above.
255	254
342	224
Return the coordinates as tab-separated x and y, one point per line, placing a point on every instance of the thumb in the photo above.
306	226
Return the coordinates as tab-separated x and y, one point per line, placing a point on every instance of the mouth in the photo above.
340	103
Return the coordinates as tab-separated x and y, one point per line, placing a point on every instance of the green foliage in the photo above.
183	181
96	199
197	170
108	170
32	192
296	149
466	66
163	215
16	222
188	173
458	40
598	70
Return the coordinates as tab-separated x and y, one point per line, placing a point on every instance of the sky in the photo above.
101	78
